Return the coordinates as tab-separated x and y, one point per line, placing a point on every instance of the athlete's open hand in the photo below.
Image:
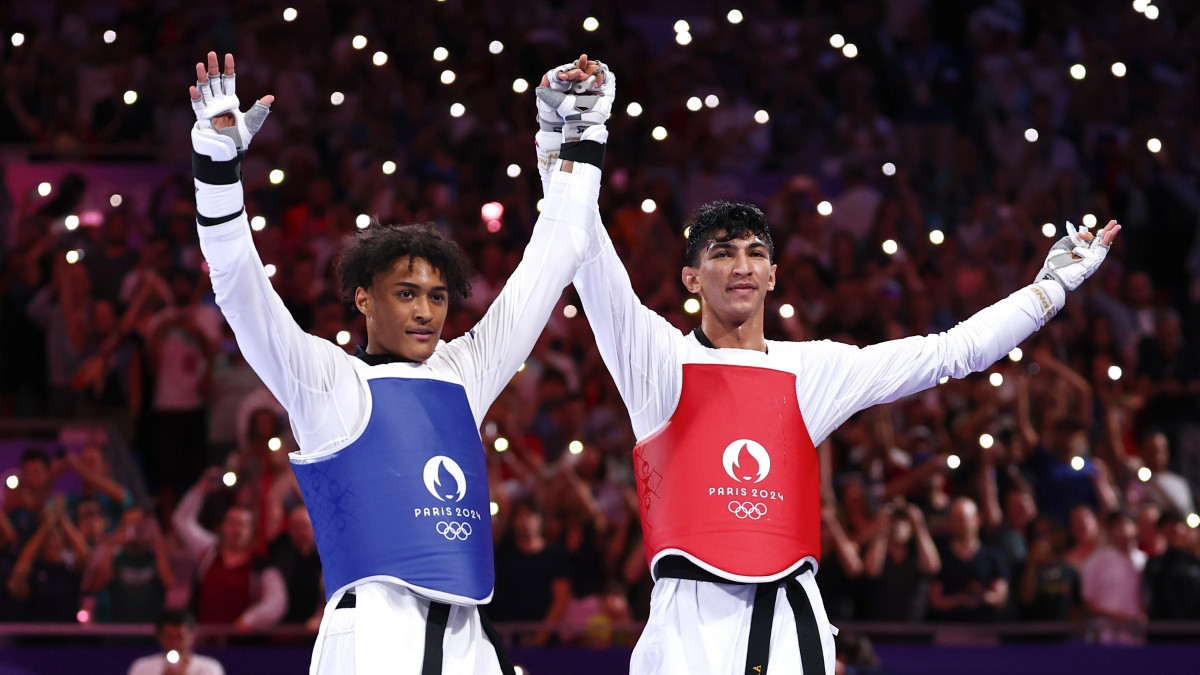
222	130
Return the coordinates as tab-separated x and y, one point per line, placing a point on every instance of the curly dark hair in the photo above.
724	221
379	246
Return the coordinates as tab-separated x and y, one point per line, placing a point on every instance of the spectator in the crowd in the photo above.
1085	537
98	485
1112	585
1047	587
46	578
25	504
176	637
133	568
900	561
532	577
1173	578
1150	539
1060	486
294	554
1164	488
973	583
1020	510
841	567
233	585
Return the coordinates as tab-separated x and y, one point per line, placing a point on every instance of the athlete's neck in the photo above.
724	335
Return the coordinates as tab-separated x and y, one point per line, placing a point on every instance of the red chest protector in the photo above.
732	479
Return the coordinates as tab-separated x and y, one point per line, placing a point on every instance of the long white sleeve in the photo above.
312	378
837	380
640	348
272	604
186	519
489	354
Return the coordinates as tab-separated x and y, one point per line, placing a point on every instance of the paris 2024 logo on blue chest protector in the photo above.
445	480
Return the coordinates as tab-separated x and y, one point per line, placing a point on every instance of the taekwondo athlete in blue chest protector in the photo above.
390	463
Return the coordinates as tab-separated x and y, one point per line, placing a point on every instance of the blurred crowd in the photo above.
909	182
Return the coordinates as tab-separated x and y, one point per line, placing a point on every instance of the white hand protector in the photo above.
574	107
1071	259
218	96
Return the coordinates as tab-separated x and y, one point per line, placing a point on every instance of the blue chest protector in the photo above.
408	500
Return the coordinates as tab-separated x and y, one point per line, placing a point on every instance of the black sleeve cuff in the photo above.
206	170
588	152
205	221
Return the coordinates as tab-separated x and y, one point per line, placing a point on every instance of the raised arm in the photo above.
488	356
845	379
310	376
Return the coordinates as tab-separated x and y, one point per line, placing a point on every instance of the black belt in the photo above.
435	634
758	646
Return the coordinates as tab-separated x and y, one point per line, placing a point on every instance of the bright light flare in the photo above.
1016	355
1077	463
495	46
500	444
172	657
389	168
17	39
257	223
274	443
888	169
44	188
458	110
1151	12
633	109
337	98
276	176
659	133
1049	230
130	97
448	77
683	39
682	26
711	101
342	337
786	311
986	441
849	51
1118	69
996	379
1193	520
570	311
734	16
953	462
495	508
229	479
71	222
520	85
441	54
289	14
762	117
890	246
359	41
590	24
937	237
269	269
1114	373
379	58
1154	145
1144	474
691	305
1078	71
1031	135
694	103
12	482
575	447
491	211
648	206
110	36
72	257
1089	220
837	41
513	171
362	221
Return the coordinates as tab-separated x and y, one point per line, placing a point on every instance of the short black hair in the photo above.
724	221
1117	516
35	455
174	617
379	246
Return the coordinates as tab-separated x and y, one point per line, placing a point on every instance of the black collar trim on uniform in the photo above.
378	359
703	340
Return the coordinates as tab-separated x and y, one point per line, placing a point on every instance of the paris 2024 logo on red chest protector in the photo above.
746	462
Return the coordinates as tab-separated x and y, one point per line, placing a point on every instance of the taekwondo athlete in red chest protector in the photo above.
726	423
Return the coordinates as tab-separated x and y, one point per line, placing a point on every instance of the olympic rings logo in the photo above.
749	510
454	530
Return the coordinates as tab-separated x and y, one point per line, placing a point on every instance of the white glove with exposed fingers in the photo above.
218	96
1071	259
576	110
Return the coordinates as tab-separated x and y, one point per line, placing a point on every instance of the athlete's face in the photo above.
732	279
405	309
